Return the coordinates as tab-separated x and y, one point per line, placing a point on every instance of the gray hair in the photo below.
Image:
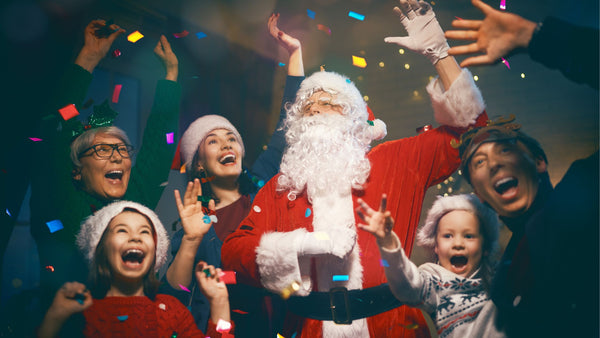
85	140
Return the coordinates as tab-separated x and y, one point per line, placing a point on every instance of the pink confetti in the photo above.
506	63
184	288
116	53
170	137
181	35
35	139
324	29
458	18
503	5
116	93
68	112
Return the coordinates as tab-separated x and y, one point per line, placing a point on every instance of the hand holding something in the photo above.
497	35
425	36
215	291
96	47
168	58
379	223
190	212
71	298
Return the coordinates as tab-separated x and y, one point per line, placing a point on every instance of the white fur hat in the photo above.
346	93
198	130
94	226
488	219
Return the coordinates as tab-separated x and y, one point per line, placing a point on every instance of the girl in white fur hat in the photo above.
125	245
463	234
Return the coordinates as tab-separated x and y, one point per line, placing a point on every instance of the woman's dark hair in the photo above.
100	275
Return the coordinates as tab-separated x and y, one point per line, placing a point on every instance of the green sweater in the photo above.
55	197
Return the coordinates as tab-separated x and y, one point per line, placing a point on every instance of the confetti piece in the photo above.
201	35
184	288
256	208
35	139
281	64
206	272
8	213
424	128
181	34
239	311
54	225
79	297
384	263
280	336
164	184
356	16
294	335
311	14
457	18
207	179
321	236
116	93
116	53
503	5
49	268
307	212
162	306
340	278
228	277
359	62
505	62
122	318
223	326
260	183
213	218
174	335
68	112
206	218
324	29
170	137
135	37
182	169
288	291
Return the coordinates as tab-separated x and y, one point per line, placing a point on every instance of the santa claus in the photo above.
302	231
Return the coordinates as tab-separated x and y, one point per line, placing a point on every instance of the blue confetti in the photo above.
281	64
201	35
8	213
122	318
307	213
206	219
260	183
348	80
356	15
384	263
339	278
311	14
54	226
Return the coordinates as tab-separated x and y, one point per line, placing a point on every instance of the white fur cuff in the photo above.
460	105
277	260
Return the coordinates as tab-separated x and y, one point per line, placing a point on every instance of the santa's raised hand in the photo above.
425	36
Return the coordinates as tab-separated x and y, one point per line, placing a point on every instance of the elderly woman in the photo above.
99	168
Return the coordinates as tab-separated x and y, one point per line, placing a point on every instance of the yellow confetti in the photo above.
291	289
134	37
182	169
359	62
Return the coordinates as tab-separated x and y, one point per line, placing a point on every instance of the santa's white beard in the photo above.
325	154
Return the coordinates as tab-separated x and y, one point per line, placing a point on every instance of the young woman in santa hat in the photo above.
125	245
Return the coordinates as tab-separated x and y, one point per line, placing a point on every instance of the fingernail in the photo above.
280	33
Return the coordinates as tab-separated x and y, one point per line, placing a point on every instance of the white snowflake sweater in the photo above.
460	307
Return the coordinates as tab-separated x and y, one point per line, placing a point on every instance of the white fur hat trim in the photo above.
488	219
198	130
94	226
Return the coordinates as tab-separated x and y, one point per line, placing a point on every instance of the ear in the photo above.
541	165
76	174
435	249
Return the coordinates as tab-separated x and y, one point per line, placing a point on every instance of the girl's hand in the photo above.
71	298
379	223
209	279
190	211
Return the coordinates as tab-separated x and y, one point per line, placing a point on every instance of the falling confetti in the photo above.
223	326
184	288
356	16
135	37
307	212
49	268
54	225
68	112
384	263
324	28
424	128
340	278
359	62
201	35
116	53
206	218
8	213
164	184
228	277
162	306
503	5
458	18
122	318
170	138
181	34
35	139
116	93
311	14
505	62
281	64
182	169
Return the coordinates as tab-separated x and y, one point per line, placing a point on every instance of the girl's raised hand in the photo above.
195	224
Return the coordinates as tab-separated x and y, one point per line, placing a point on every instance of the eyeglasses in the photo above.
104	150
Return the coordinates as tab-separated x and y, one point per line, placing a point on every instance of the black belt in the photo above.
342	305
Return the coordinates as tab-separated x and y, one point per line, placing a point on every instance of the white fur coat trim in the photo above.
460	105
